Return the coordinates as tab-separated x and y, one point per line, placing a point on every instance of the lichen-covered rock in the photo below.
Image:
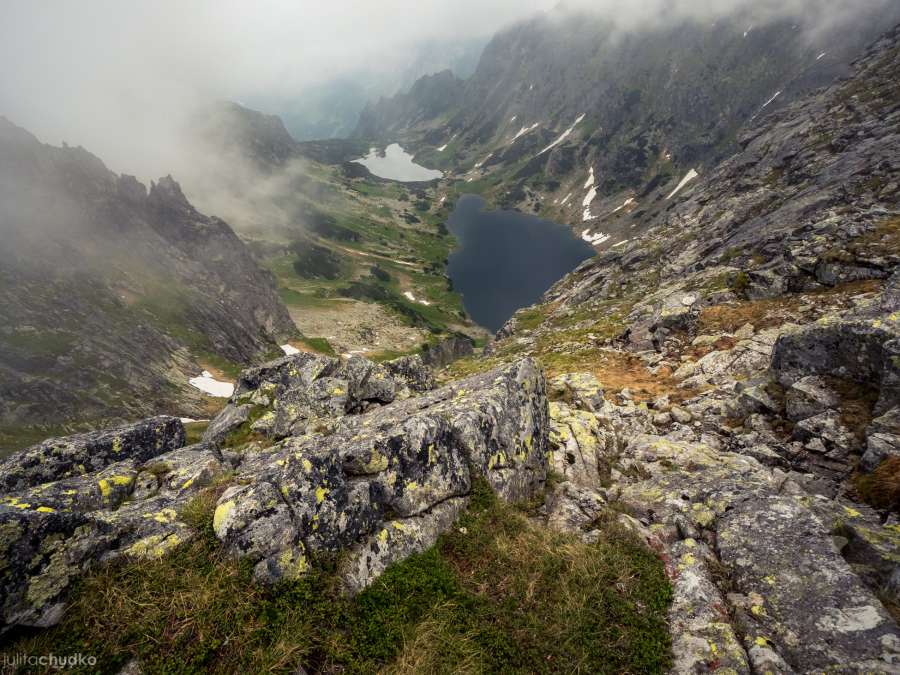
412	374
58	458
386	470
41	553
809	396
398	539
882	439
579	446
805	600
703	638
229	419
573	508
825	434
859	350
307	393
678	311
583	390
53	532
747	357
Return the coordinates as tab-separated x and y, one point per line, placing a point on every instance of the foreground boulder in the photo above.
387	482
58	458
375	486
864	351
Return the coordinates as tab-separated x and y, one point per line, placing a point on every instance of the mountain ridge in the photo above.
102	259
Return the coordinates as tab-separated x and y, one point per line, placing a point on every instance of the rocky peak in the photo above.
260	138
136	278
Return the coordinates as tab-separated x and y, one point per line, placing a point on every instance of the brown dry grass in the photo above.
618	370
772	312
881	488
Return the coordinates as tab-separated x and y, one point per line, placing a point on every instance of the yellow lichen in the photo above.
223	511
154	546
853	513
377	462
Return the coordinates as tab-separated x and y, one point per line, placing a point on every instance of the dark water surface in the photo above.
506	260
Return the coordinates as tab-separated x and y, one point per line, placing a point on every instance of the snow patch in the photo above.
691	175
443	147
289	350
621	243
513	118
777	94
589	197
412	298
821	56
594	239
565	199
524	130
209	385
747	32
627	202
564	134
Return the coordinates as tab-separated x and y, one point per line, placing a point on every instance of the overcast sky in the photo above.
93	72
117	75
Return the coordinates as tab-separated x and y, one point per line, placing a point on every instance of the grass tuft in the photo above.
497	593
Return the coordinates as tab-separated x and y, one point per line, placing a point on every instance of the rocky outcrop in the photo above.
763	575
58	458
387	482
390	471
447	351
308	393
866	352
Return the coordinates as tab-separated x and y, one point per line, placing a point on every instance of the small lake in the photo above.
396	164
506	260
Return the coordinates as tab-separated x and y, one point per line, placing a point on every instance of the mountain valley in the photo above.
683	457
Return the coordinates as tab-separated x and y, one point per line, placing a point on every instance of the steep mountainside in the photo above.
572	117
430	97
330	110
112	294
748	342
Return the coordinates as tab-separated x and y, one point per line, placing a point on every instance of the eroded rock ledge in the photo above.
390	471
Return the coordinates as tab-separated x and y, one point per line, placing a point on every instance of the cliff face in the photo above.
112	293
429	97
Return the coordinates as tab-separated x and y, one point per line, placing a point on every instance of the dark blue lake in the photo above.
506	260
